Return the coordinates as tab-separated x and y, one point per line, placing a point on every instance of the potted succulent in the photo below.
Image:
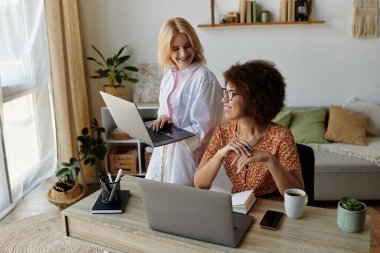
67	190
115	70
351	215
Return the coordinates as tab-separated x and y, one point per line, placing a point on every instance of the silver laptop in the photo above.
127	118
193	213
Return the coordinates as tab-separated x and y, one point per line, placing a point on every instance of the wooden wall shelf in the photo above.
262	23
213	24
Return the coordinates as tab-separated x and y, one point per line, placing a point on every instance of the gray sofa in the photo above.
336	176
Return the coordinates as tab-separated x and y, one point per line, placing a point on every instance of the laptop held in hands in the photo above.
128	118
193	213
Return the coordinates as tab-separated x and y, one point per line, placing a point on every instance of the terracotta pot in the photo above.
118	91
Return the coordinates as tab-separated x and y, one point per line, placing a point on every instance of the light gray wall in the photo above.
322	64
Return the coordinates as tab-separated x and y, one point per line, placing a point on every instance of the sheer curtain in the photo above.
28	150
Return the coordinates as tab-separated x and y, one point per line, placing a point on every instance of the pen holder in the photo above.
110	190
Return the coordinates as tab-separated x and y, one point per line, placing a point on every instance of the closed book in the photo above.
114	207
253	5
242	202
249	12
242	10
290	4
293	13
283	10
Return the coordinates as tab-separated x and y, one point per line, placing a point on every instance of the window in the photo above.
29	151
14	61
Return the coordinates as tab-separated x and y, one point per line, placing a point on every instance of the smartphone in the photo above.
271	219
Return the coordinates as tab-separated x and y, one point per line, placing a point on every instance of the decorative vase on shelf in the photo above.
118	91
301	10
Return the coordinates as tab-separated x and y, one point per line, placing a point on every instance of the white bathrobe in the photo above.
198	109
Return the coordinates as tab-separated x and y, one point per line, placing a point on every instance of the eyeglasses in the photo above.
230	94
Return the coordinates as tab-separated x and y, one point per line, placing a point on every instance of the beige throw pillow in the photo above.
371	110
346	126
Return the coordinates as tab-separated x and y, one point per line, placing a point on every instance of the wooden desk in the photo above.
316	231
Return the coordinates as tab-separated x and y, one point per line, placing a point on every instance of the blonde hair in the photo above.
171	28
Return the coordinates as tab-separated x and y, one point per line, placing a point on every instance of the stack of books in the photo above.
242	202
247	11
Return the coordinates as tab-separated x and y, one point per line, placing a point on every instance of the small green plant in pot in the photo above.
92	150
351	215
67	176
115	70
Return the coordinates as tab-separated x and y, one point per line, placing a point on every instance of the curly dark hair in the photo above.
261	85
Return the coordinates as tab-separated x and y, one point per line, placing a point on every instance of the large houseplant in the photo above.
115	70
351	215
92	150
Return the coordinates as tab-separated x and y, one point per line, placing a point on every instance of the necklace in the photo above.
255	140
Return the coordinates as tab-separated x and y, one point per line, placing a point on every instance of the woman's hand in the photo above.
255	156
160	122
240	147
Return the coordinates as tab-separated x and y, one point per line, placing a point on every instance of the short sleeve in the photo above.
215	143
288	154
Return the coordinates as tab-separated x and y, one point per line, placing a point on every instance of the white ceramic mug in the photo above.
295	202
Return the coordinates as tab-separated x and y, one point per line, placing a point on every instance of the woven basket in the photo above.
120	135
66	199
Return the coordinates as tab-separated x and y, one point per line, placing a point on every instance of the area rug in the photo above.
40	233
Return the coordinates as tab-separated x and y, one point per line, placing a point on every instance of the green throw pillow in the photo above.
308	125
283	118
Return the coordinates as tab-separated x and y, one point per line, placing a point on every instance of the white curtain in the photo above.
28	154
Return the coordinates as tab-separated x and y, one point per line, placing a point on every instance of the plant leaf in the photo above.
62	172
73	174
121	50
133	80
85	131
123	59
100	54
93	59
100	152
118	79
131	68
110	62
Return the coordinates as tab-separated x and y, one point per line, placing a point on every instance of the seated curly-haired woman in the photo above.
256	153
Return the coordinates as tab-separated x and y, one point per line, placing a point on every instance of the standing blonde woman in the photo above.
189	98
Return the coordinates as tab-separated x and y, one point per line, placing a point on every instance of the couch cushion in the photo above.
346	126
308	125
329	162
283	118
371	110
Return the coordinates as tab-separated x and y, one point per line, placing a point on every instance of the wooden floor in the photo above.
36	203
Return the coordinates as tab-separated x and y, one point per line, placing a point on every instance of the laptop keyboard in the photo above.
156	136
